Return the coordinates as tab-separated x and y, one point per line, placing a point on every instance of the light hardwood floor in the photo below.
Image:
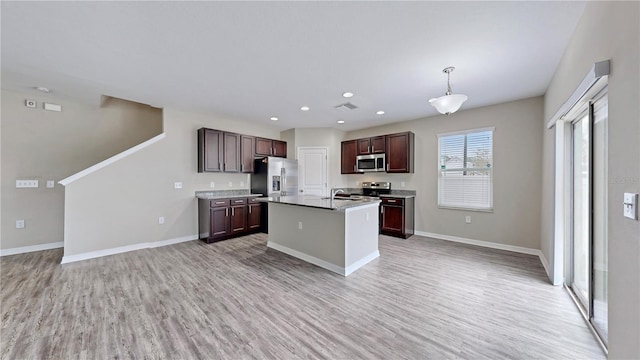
236	299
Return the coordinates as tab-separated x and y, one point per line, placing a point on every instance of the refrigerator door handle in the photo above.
283	177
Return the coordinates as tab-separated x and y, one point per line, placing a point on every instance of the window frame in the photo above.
490	169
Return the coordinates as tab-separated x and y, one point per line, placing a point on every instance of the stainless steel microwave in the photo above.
370	163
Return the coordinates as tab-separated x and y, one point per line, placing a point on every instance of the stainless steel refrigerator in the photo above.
274	176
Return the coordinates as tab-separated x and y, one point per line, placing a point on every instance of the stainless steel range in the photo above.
375	189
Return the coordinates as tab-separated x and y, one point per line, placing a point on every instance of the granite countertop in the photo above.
318	202
224	194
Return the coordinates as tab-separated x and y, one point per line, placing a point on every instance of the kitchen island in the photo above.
338	235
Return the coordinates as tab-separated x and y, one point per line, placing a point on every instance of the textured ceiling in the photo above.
254	60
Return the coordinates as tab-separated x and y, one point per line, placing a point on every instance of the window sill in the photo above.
464	208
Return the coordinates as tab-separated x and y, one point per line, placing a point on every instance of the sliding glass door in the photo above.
581	205
588	244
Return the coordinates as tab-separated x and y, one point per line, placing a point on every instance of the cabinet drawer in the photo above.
392	201
235	202
219	203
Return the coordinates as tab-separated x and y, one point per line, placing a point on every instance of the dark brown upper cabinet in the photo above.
269	147
247	151
231	152
373	145
220	151
349	153
399	154
210	150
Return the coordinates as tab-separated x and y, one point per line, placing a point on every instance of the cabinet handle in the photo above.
373	148
242	167
381	209
219	202
250	209
271	151
391	201
226	212
387	166
233	212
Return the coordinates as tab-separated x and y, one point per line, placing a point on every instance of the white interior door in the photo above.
312	171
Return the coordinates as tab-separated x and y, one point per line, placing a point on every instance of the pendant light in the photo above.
449	103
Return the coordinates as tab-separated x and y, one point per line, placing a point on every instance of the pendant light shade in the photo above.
449	103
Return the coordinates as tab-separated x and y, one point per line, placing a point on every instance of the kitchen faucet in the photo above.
334	192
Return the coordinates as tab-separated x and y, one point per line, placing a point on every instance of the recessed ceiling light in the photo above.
304	108
379	112
347	94
43	89
340	121
274	118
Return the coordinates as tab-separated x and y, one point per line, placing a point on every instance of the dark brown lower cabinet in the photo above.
222	219
255	215
397	216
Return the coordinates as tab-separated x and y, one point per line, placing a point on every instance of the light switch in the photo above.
177	185
631	206
50	184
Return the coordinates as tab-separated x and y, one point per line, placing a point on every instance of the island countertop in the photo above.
319	201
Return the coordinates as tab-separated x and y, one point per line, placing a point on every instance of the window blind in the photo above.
465	176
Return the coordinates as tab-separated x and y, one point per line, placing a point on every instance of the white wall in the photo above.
610	30
325	137
119	205
517	152
46	145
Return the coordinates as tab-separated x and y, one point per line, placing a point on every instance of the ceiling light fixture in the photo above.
273	118
340	121
43	89
379	112
304	108
449	103
347	94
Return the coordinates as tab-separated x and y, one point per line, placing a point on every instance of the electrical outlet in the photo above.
161	220
212	184
26	183
177	185
299	225
402	184
19	224
50	184
467	219
230	184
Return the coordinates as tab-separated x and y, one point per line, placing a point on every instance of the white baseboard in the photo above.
308	258
362	262
106	252
492	245
32	248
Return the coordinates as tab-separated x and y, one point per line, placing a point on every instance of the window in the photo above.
465	177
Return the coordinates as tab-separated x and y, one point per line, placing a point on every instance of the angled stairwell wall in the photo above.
45	145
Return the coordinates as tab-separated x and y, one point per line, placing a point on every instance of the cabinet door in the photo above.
219	224
392	218
264	147
238	219
349	153
210	150
378	145
247	151
400	153
364	146
280	148
231	152
255	213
